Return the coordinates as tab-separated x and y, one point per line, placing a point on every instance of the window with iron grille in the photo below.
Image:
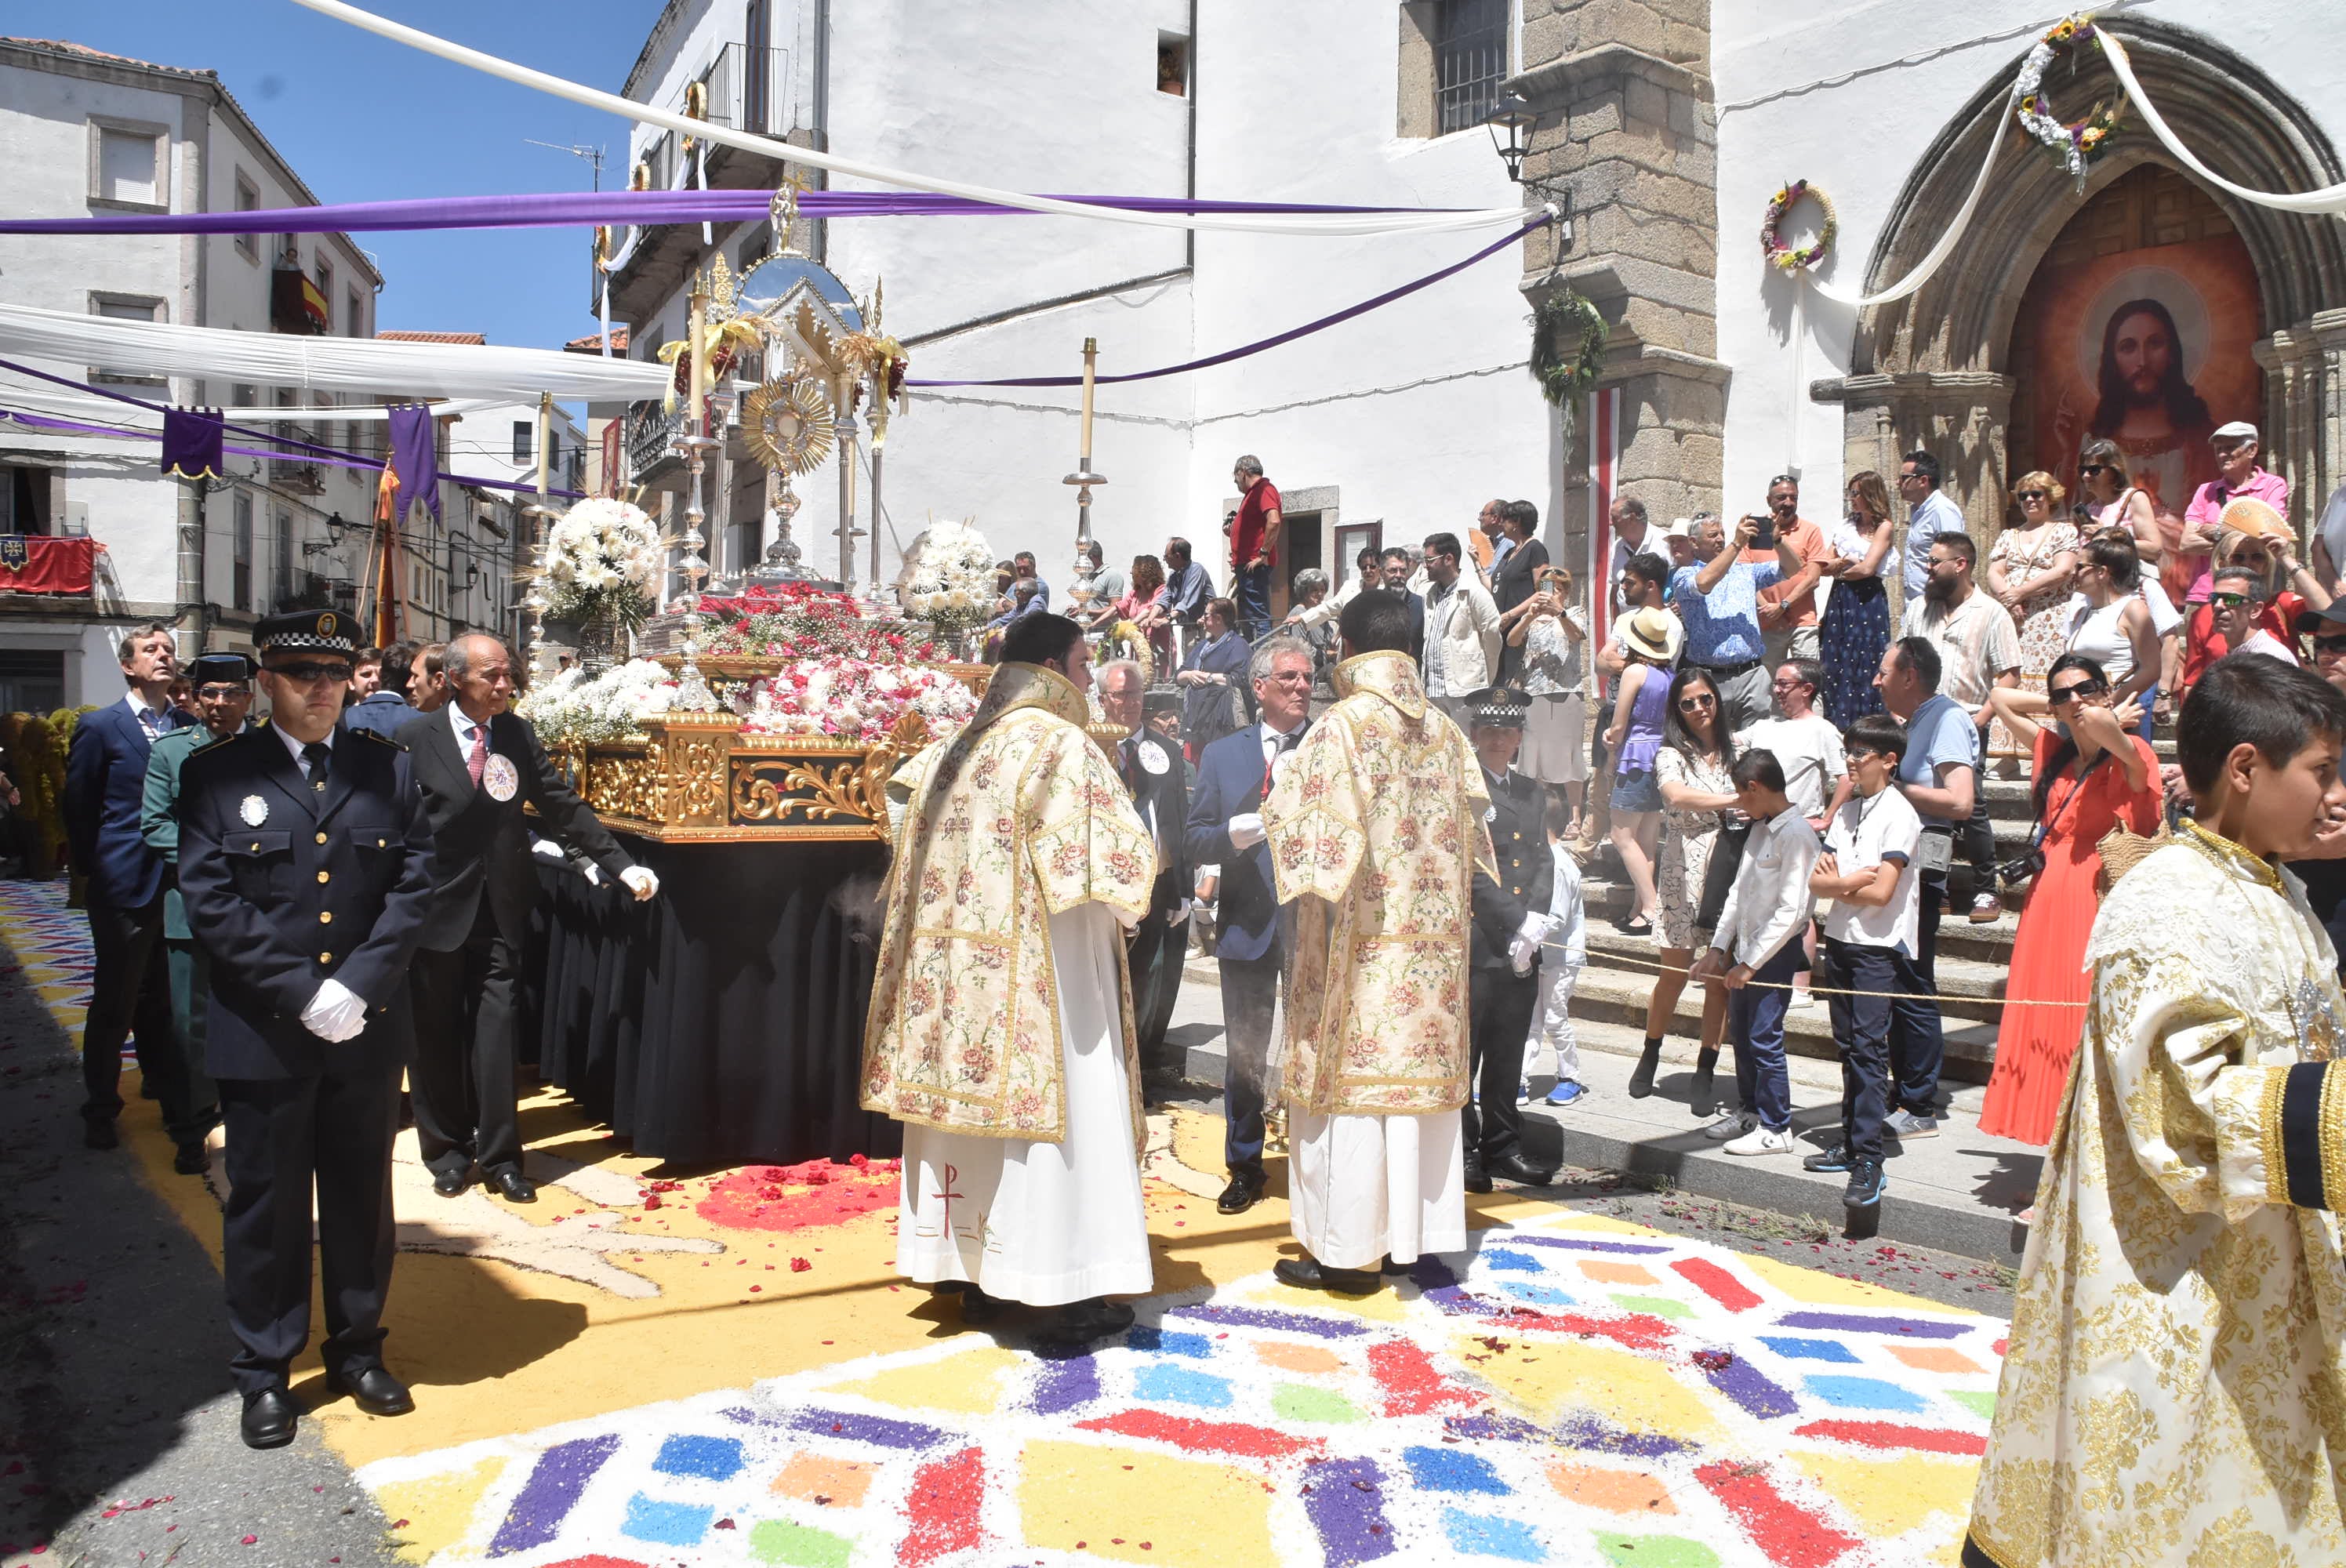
1470	61
241	578
280	575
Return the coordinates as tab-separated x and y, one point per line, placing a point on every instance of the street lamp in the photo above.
1511	122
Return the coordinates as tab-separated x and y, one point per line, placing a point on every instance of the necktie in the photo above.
1279	748
318	757
1129	762
149	721
480	754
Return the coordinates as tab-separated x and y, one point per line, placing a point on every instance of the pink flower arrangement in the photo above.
852	700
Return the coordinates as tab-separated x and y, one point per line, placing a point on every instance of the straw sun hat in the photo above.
1653	634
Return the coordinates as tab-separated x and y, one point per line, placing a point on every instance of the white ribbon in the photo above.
2329	199
1319	224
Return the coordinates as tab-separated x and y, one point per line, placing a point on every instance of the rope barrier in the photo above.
1661	969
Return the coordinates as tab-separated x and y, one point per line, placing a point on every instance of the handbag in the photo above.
2016	875
2122	850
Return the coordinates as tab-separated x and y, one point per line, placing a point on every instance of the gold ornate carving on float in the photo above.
698	778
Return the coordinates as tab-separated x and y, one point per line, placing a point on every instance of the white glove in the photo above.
594	873
1534	931
1246	829
1182	914
547	847
639	881
336	1013
1521	952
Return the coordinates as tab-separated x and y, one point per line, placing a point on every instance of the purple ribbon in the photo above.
414	457
1259	344
619	208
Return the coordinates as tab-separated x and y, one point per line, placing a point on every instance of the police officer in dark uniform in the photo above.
1510	915
305	864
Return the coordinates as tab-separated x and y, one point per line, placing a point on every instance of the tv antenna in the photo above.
593	155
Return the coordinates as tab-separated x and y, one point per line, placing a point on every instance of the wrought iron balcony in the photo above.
651	436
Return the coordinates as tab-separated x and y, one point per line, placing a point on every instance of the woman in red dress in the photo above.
2087	782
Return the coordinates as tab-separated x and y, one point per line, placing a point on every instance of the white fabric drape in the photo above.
2329	199
41	398
1323	224
368	365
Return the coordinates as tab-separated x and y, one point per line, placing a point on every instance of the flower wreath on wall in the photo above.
2074	144
1782	257
1564	373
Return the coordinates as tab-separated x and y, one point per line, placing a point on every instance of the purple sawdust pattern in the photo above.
1066	1384
909	1436
1492	1426
1263	1318
1344	1500
1524	1238
1748	1386
1600	1437
552	1490
1857	1323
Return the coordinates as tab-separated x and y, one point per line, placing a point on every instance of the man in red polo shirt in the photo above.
1254	547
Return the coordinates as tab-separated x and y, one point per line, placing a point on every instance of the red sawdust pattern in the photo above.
1717	1284
943	1509
795	1197
1631	1331
1195	1436
1790	1534
1889	1434
1412	1386
596	1560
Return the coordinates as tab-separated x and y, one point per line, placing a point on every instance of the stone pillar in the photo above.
2304	428
1627	132
1960	417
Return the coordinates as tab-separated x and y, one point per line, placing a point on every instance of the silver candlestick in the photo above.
693	693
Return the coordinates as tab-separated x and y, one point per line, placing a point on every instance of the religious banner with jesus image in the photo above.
2137	329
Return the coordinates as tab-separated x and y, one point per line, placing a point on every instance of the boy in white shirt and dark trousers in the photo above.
1757	949
1867	873
1563	954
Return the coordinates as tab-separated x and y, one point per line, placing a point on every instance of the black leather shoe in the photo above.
271	1419
512	1187
1516	1168
450	1183
977	1307
372	1390
192	1158
1477	1178
97	1132
1242	1194
1307	1274
1081	1322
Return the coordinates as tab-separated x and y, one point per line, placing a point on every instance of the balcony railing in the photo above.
298	470
752	90
651	436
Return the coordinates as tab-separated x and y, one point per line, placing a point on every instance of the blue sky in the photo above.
362	118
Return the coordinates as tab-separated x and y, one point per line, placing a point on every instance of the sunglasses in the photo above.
2072	692
2230	601
2033	494
309	672
1690	704
2336	645
2097	468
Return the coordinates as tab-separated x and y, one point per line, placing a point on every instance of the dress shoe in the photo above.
977	1307
450	1183
512	1187
1477	1178
1516	1168
1243	1193
372	1390
97	1132
192	1158
1081	1322
269	1420
1307	1274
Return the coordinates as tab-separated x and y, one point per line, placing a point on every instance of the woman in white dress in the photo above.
1698	791
1556	730
2108	623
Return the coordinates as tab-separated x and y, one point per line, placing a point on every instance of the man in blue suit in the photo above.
1224	828
131	988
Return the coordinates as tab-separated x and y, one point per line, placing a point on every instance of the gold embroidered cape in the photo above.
1376	826
1017	819
2174	1392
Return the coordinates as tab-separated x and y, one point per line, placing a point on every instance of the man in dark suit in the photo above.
130	987
1224	828
1397	570
1152	772
1510	917
478	765
305	863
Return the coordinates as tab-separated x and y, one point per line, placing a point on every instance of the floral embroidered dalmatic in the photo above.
2174	1392
1017	819
1376	825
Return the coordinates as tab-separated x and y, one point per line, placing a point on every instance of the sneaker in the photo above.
1865	1184
1907	1125
1523	1091
1567	1093
1761	1141
1805	999
1836	1158
1733	1124
1985	908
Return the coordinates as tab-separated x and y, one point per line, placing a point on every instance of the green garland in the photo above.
1563	375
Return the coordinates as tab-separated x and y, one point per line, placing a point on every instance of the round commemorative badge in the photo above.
498	777
1152	756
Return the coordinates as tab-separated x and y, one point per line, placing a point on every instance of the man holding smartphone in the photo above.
1787	611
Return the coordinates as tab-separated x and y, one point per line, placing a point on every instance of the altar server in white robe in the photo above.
1376	828
1001	1031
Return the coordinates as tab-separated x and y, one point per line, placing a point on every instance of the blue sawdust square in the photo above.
1172	1383
1800	1349
667	1523
1481	1535
1452	1470
1866	1394
1144	1338
701	1458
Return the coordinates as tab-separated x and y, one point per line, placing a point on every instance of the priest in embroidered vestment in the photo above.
2174	1390
1376	828
1001	1031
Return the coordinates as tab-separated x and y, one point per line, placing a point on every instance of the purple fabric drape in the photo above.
191	443
619	209
414	457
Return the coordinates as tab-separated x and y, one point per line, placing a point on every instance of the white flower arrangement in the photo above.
849	699
603	557
948	578
575	709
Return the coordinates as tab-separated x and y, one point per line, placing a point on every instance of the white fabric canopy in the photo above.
1320	224
370	366
39	397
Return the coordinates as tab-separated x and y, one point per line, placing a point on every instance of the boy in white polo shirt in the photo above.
1867	873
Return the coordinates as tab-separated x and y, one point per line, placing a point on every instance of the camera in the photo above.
1765	539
